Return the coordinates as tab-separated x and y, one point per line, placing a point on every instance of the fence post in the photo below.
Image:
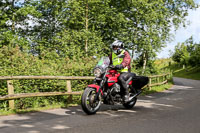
166	78
69	89
171	74
158	80
10	92
149	83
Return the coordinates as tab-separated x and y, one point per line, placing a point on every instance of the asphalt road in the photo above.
173	111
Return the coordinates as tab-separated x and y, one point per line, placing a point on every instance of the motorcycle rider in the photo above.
121	60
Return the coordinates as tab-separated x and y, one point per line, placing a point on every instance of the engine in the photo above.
115	92
115	89
114	95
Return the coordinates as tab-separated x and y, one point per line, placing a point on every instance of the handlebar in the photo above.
111	66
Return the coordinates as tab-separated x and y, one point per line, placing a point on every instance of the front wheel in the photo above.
88	104
130	105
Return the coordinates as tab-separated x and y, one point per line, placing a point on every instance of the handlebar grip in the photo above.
111	66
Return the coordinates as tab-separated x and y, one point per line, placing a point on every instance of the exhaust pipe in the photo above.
132	98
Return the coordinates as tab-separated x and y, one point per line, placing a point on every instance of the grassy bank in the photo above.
156	89
189	72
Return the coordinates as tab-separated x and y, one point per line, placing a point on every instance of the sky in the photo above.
182	34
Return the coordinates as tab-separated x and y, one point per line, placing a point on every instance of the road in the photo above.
176	110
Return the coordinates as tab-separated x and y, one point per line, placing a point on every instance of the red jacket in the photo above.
126	61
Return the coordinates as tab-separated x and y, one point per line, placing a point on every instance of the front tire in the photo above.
87	101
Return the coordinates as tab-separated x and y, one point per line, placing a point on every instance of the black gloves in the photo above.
119	67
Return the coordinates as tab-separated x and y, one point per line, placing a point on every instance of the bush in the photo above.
14	62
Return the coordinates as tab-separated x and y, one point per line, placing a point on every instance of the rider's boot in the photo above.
126	92
125	87
126	96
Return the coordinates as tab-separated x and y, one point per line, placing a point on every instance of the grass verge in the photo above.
75	102
189	73
156	89
21	111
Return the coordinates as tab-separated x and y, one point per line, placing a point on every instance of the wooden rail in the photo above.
163	80
11	96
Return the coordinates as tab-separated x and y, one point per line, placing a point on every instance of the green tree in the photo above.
181	55
194	54
79	28
14	28
146	26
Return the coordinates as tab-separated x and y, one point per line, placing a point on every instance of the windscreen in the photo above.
103	62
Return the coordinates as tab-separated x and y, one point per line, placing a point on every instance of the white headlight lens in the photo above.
97	72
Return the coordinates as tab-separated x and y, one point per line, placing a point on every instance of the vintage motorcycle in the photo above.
107	90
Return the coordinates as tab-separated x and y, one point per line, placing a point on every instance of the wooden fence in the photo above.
11	95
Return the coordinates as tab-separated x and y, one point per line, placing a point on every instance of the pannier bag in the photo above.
140	81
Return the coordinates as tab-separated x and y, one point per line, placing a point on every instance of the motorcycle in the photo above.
106	88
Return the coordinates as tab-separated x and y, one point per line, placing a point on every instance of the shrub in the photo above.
14	62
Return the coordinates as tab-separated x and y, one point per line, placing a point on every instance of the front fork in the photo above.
101	87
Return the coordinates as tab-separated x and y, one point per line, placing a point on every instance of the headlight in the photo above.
97	72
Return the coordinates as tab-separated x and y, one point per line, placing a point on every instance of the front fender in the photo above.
97	87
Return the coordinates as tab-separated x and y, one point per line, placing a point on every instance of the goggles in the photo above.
116	47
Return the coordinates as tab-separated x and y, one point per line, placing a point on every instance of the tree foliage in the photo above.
90	25
187	53
181	54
